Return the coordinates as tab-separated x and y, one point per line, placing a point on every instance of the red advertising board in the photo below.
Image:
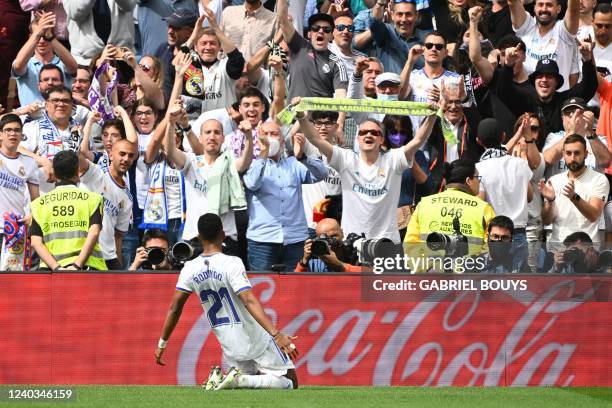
103	329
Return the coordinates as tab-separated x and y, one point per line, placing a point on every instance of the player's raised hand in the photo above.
285	343
158	356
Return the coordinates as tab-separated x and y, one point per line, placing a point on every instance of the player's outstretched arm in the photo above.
282	340
172	318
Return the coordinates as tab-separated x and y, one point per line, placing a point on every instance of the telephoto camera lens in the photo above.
156	255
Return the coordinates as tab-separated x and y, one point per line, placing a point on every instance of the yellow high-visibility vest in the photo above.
63	216
435	213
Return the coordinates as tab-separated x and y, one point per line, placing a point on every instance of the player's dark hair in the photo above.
210	227
9	118
116	123
66	165
501	221
51	67
153	233
575	138
318	115
459	170
576	237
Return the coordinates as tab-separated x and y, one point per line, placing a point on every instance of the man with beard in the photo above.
547	38
117	198
574	200
602	28
547	100
202	173
500	258
41	49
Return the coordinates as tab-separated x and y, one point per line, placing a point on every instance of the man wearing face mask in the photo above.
500	258
277	224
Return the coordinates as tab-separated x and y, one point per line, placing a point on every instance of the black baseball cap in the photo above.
181	17
321	17
489	132
547	66
577	102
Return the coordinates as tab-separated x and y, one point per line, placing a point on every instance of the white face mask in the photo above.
385	97
274	147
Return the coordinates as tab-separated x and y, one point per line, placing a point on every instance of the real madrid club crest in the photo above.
1	163
325	68
22	172
154	210
194	81
381	172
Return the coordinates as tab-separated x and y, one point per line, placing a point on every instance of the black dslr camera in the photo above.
323	245
454	246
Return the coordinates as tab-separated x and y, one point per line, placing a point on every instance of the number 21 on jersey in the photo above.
220	299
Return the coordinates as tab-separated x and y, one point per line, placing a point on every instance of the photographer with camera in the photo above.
502	256
579	255
326	253
457	213
153	254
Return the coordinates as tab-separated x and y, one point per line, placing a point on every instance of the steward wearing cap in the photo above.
543	98
66	222
435	213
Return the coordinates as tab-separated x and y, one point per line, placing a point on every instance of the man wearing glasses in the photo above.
423	85
342	45
371	180
56	130
392	42
313	70
17	171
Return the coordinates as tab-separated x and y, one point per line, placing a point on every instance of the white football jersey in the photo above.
117	207
217	280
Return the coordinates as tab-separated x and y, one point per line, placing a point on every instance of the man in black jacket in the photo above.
546	102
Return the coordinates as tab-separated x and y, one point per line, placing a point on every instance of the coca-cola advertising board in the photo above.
103	329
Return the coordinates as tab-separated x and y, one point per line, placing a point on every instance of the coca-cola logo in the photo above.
406	353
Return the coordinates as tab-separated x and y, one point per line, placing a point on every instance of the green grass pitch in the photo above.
354	397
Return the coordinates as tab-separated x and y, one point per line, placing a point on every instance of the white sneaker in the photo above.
214	378
230	380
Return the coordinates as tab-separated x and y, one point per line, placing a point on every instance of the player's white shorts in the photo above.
271	361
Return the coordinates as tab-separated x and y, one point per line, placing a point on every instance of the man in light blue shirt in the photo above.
277	224
391	42
42	50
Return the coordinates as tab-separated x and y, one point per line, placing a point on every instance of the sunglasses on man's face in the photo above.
342	27
315	28
373	132
429	46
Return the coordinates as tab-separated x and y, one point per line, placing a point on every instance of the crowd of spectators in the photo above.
171	106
